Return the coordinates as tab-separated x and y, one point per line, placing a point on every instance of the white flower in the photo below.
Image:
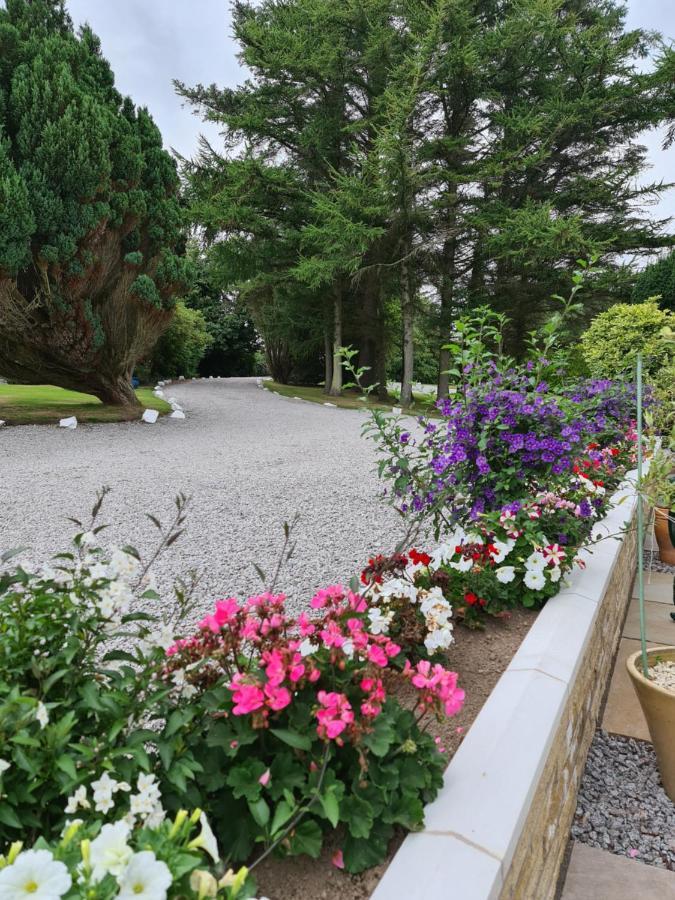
42	714
145	878
123	565
104	789
34	875
184	688
440	639
88	539
398	587
77	800
163	638
443	553
535	562
203	883
503	549
555	573
379	621
534	579
4	765
306	648
505	574
109	852
206	840
464	564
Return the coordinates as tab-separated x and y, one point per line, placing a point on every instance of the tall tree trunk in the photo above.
114	390
328	358
446	315
336	382
408	319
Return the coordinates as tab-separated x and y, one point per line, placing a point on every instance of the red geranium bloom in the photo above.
419	558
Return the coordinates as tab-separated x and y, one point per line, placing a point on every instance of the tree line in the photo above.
384	166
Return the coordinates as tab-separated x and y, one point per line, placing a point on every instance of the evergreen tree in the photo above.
657	280
89	221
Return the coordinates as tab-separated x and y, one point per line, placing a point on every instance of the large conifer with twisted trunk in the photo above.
89	220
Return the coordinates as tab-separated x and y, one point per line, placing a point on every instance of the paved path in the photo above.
249	458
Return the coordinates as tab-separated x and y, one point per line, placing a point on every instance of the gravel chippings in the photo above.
621	805
652	561
250	460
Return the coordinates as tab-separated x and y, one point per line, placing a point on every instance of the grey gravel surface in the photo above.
621	805
653	563
250	460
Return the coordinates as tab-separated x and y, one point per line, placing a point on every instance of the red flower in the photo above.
419	558
471	598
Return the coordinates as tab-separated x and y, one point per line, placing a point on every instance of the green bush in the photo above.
657	280
611	343
182	346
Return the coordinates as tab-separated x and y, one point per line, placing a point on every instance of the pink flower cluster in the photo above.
437	687
334	714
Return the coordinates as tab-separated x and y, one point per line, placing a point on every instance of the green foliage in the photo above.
611	343
86	191
657	280
183	345
71	705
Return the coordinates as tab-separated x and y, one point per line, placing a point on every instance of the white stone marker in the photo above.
177	414
150	416
70	422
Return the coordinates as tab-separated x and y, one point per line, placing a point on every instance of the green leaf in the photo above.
244	779
306	838
282	814
331	808
9	817
66	764
292	738
360	854
260	811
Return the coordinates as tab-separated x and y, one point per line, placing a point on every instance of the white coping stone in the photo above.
396	410
150	416
181	377
490	782
177	414
334	405
2	422
69	422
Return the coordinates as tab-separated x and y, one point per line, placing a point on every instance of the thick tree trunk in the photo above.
408	319
114	391
336	383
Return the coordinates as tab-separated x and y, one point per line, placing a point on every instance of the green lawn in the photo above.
349	400
44	404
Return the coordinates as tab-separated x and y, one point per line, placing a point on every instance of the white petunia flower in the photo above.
463	565
145	878
109	852
503	549
34	875
555	573
535	579
206	840
42	714
505	574
535	562
443	554
4	765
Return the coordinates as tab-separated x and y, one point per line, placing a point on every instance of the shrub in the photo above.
182	346
611	343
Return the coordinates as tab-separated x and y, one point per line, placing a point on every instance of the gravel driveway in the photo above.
250	460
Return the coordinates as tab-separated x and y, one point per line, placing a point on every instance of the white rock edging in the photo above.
473	827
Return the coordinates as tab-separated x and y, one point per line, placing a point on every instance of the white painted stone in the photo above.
69	422
396	410
177	414
331	404
181	377
150	416
2	422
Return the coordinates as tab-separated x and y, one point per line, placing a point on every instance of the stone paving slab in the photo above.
599	875
658	588
623	714
660	627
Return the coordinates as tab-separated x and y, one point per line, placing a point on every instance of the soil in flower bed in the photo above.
480	657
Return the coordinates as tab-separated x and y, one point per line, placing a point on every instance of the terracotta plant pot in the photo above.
658	705
663	532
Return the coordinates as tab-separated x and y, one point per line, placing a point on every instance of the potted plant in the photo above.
653	671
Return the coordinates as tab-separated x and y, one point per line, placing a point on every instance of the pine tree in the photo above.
89	220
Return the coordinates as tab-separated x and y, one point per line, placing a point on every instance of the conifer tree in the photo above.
89	220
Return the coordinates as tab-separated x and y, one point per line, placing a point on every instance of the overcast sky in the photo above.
150	42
